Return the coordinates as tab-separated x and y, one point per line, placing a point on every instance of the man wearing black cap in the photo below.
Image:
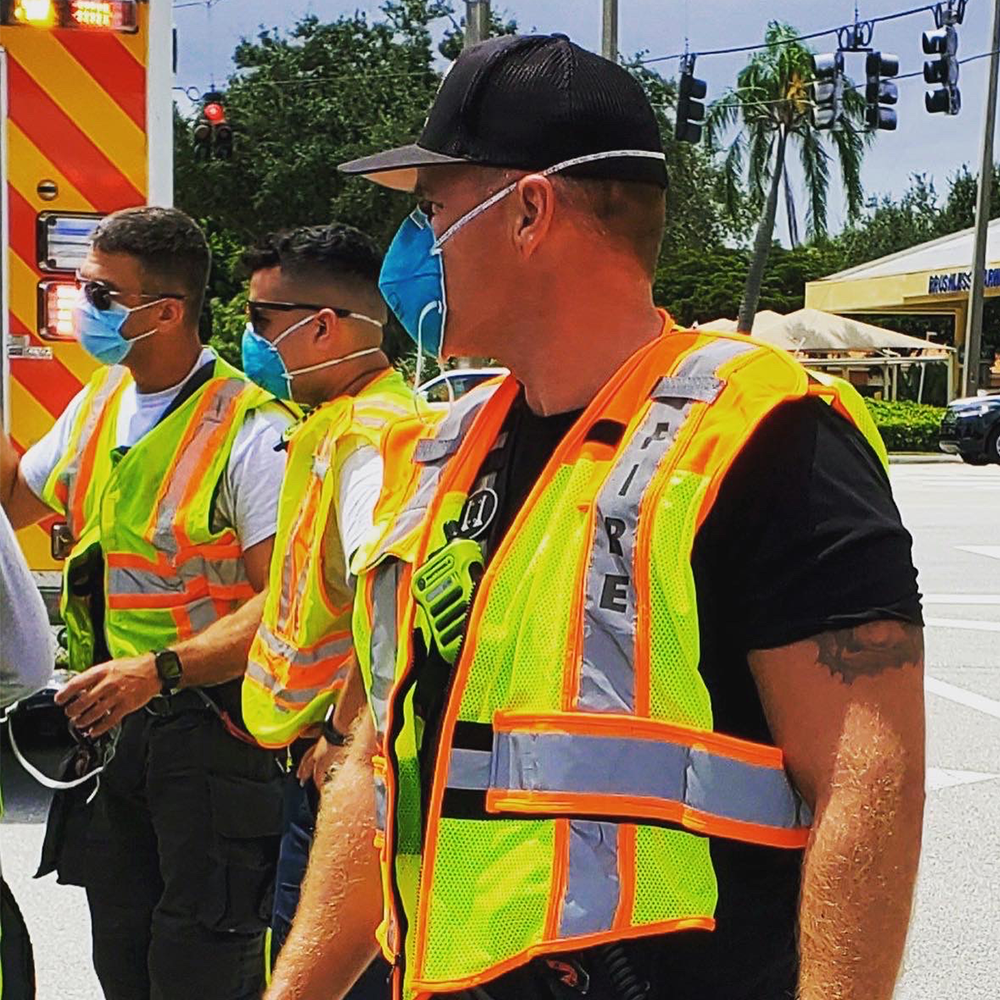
639	725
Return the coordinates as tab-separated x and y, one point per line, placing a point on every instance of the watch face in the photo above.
168	666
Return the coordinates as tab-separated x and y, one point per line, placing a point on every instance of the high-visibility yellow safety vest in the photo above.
302	651
574	773
141	518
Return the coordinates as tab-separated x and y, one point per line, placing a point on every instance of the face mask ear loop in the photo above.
418	368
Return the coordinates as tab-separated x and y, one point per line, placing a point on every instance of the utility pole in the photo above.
974	320
609	31
477	29
477	21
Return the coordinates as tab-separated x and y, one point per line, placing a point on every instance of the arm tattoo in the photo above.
868	650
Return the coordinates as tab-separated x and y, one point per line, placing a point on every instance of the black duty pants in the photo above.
181	856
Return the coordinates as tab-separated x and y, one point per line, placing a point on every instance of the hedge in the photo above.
907	426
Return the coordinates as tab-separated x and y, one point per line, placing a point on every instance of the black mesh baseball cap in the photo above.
528	102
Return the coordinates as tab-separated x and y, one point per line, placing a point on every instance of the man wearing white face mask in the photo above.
315	333
167	472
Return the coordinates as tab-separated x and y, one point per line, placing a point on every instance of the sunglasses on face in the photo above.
101	295
256	309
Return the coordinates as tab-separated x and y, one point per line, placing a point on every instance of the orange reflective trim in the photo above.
85	471
723	433
641	807
161	566
559	879
631	727
626	876
225	547
548	947
296	677
209	449
458	476
182	623
573	657
155	602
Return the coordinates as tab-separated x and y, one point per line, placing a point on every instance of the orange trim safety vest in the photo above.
575	770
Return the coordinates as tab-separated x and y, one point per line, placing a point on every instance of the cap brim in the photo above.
397	168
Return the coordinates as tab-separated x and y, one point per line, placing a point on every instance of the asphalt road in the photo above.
954	514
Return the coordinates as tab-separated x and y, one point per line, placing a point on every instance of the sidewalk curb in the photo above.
922	458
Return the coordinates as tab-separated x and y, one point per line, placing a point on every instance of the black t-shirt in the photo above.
804	537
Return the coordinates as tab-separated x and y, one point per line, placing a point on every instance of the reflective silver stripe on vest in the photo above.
452	430
128	580
628	767
431	454
191	458
607	681
301	697
383	639
201	614
381	794
332	649
592	883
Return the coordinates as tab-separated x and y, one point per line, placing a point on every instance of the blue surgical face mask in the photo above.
412	279
263	363
100	330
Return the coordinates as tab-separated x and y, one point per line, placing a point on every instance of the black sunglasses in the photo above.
255	308
101	296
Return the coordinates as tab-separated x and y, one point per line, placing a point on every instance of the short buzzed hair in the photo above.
632	213
334	251
168	244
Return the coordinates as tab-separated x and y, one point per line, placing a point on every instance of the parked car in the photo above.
449	385
971	429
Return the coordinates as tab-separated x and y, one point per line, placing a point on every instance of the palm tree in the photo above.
771	107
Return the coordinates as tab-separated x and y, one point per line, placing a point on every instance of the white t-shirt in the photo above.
27	651
248	497
360	486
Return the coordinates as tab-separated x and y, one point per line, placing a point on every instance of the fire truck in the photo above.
86	123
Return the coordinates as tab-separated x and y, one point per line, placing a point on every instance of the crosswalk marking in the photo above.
967	599
965	624
993	551
962	697
946	777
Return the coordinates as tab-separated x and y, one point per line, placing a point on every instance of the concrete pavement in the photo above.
953	512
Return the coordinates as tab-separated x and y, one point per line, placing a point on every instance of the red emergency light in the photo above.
99	15
214	112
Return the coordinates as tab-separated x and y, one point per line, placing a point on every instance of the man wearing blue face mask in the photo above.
314	332
167	469
639	727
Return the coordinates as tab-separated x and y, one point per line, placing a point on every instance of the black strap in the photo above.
190	387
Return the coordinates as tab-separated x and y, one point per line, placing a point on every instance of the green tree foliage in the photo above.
770	108
300	104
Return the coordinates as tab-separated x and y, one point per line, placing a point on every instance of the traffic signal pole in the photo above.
974	318
609	30
477	21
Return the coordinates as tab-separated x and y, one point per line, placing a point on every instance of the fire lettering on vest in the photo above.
615	527
614	595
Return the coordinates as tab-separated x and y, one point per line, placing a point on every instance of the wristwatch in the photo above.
169	669
332	734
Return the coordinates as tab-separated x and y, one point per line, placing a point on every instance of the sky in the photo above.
936	145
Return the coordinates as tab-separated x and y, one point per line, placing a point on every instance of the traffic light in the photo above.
212	131
690	111
828	89
881	91
942	42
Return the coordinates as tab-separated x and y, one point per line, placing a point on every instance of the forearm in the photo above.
333	937
220	653
860	868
